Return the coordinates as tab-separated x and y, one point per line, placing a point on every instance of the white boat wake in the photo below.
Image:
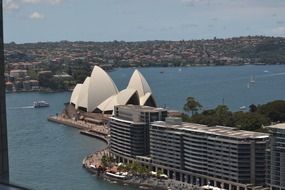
23	107
270	75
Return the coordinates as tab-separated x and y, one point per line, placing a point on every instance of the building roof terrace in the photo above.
216	130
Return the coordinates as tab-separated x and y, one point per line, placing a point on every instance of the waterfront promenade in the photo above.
93	161
80	124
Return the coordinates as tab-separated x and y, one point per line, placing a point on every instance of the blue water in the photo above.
211	85
47	156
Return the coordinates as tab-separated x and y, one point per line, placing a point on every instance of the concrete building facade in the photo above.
276	168
129	129
220	156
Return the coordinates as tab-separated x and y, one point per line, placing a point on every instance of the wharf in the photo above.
94	129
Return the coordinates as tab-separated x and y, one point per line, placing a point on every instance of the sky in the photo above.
140	20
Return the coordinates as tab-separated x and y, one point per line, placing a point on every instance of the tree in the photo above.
223	116
252	108
192	105
104	161
274	110
250	121
218	116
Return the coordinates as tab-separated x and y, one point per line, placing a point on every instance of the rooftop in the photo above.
141	108
217	130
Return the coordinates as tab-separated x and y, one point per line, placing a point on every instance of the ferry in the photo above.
40	104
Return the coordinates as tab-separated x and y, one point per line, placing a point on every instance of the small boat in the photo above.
40	104
266	71
242	107
161	72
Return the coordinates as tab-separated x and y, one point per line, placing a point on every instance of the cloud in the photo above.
13	5
10	5
36	16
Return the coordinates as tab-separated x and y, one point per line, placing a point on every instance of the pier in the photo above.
101	130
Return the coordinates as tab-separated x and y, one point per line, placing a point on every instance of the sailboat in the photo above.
252	80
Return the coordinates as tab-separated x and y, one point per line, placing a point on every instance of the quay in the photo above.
92	128
93	161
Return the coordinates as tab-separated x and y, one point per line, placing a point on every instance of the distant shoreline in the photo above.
115	68
39	91
199	65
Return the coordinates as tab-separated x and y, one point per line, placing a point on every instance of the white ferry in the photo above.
40	104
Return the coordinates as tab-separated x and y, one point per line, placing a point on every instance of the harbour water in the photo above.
45	156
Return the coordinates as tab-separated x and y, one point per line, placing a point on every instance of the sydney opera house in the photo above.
99	94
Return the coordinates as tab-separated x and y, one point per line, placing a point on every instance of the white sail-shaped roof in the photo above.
75	94
144	98
99	92
138	82
124	97
101	87
83	94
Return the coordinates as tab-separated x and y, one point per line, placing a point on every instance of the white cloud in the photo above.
10	5
36	16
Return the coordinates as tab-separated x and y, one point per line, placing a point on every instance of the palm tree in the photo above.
192	105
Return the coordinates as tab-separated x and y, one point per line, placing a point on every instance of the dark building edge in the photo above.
4	163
